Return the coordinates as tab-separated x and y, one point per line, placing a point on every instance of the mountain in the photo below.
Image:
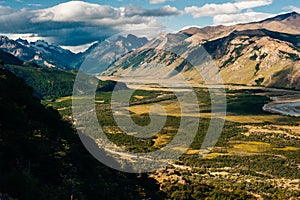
7	58
42	53
42	157
102	54
54	83
53	56
265	53
258	57
48	83
286	23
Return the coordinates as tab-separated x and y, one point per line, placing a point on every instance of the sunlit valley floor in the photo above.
257	155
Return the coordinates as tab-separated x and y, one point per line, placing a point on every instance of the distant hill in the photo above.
265	53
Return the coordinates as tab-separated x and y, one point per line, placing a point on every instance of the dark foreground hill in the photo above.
42	157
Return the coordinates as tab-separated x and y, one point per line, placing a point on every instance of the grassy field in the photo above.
258	153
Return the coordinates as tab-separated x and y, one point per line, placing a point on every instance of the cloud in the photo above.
157	1
240	18
80	48
246	4
35	4
5	10
28	37
212	9
159	12
76	11
76	22
225	8
293	8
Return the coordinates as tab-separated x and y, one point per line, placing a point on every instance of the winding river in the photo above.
284	102
287	104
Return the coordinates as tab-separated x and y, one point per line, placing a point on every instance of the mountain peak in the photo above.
22	41
40	43
290	15
4	38
288	23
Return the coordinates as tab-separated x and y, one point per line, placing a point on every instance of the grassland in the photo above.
256	157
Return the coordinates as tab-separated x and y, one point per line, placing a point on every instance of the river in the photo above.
287	103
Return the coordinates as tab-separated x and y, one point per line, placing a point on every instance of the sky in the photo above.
76	24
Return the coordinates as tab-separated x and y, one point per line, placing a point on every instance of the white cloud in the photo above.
225	8
212	9
240	18
76	11
77	22
157	1
80	48
246	4
35	4
167	10
293	8
28	37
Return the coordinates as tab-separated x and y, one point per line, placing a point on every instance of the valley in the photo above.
257	155
241	80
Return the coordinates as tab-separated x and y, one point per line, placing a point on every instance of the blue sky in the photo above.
77	23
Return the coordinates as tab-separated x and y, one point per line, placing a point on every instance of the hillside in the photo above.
102	54
7	58
258	58
254	56
43	158
47	83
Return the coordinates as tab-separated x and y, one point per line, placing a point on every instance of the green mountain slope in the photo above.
47	83
52	83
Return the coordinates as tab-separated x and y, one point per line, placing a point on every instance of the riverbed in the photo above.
285	105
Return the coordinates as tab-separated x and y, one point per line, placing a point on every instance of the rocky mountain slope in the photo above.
286	23
102	54
265	53
53	56
40	52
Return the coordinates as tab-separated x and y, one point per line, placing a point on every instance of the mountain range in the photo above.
265	53
53	56
40	52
